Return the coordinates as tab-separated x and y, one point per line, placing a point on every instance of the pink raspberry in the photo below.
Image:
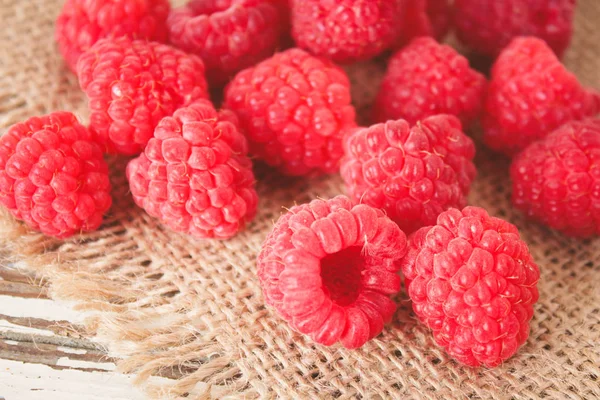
557	181
427	78
413	173
228	35
531	94
487	26
133	84
346	30
294	109
82	23
329	267
473	282
424	18
194	174
53	175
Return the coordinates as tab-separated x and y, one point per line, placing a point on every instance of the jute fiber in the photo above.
192	310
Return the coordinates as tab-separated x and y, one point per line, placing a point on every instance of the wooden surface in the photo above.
43	351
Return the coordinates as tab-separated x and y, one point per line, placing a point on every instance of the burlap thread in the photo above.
192	310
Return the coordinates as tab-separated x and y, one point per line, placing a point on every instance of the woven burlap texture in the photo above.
192	310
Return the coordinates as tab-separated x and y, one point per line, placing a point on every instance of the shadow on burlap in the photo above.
192	310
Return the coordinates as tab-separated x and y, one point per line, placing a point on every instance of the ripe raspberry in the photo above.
82	23
194	174
53	175
487	26
412	173
557	181
473	282
328	268
294	109
133	84
427	78
531	94
424	18
346	30
228	35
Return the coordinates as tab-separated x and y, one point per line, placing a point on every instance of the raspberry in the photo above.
487	26
557	181
412	173
531	94
294	109
194	174
424	18
53	175
473	282
82	23
228	35
427	78
346	30
328	268
133	84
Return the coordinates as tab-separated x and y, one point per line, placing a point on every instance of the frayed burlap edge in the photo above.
192	311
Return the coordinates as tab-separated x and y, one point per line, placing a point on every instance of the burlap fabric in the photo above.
192	310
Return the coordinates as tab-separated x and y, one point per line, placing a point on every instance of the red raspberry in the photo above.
194	174
427	78
82	23
473	282
346	30
228	35
412	173
424	18
294	109
557	180
53	175
328	268
487	26
531	94
131	85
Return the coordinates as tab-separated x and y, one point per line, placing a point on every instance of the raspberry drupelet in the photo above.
423	18
427	78
228	35
53	175
132	84
473	282
294	109
487	26
530	94
413	173
328	268
557	180
194	175
81	23
346	30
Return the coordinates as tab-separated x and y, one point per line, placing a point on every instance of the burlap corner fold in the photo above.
192	310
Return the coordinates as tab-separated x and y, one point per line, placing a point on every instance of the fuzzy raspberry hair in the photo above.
329	267
530	94
413	173
427	78
194	174
228	35
53	175
488	26
557	180
82	23
473	282
294	109
133	84
346	30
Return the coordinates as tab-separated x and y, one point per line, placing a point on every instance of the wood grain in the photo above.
44	351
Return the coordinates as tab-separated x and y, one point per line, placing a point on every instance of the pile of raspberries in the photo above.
330	268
